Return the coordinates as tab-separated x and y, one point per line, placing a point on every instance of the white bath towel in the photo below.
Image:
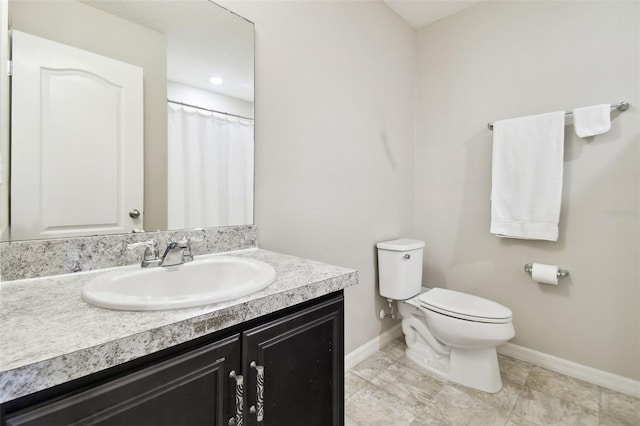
526	186
592	120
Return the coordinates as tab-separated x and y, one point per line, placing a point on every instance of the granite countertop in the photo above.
49	335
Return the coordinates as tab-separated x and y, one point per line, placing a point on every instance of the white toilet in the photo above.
450	333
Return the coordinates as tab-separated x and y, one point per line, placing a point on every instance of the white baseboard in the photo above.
355	357
559	365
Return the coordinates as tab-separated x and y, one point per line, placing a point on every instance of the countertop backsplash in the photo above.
39	258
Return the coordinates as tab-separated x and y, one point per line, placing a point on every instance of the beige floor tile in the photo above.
395	349
452	407
505	399
372	366
615	405
348	421
389	389
408	384
514	370
549	410
428	418
576	391
406	361
607	420
372	406
352	384
519	421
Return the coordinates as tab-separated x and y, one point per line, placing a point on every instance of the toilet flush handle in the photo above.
407	256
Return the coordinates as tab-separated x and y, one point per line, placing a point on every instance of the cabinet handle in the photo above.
237	419
259	408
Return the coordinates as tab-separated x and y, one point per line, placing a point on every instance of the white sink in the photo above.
205	280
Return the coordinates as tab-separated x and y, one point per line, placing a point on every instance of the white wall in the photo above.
334	103
335	88
507	59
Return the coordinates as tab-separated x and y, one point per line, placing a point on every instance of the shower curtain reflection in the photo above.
210	169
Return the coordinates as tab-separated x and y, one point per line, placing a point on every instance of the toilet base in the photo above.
475	368
438	364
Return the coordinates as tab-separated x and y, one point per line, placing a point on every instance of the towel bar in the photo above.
621	106
561	272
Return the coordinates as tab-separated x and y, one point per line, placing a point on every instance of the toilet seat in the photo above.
463	306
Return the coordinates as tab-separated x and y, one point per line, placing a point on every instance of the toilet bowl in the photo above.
455	335
450	333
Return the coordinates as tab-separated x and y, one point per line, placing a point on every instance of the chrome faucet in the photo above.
176	253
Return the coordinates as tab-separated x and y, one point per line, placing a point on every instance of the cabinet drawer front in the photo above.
188	389
302	358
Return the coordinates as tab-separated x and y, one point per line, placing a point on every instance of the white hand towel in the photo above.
526	186
592	120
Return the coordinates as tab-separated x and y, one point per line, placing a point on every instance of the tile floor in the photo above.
387	389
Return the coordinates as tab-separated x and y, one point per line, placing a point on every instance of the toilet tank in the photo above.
400	268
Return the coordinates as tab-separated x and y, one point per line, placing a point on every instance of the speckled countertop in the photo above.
49	335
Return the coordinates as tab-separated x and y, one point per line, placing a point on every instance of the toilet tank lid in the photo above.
402	244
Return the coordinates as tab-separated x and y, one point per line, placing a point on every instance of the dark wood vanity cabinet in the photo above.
303	367
290	364
186	389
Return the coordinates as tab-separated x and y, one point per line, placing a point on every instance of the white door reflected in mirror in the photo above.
76	128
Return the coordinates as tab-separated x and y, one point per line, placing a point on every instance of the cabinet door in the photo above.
302	359
190	389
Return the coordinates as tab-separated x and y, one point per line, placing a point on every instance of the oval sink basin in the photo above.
203	281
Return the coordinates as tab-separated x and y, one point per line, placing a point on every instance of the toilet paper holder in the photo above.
561	272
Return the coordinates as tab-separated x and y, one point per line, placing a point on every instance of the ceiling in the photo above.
187	41
203	40
419	13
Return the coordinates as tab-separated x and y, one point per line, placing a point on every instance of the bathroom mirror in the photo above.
191	63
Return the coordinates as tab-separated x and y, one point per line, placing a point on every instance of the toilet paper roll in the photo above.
546	274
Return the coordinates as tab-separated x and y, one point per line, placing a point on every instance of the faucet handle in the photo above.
148	244
181	243
151	253
188	254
